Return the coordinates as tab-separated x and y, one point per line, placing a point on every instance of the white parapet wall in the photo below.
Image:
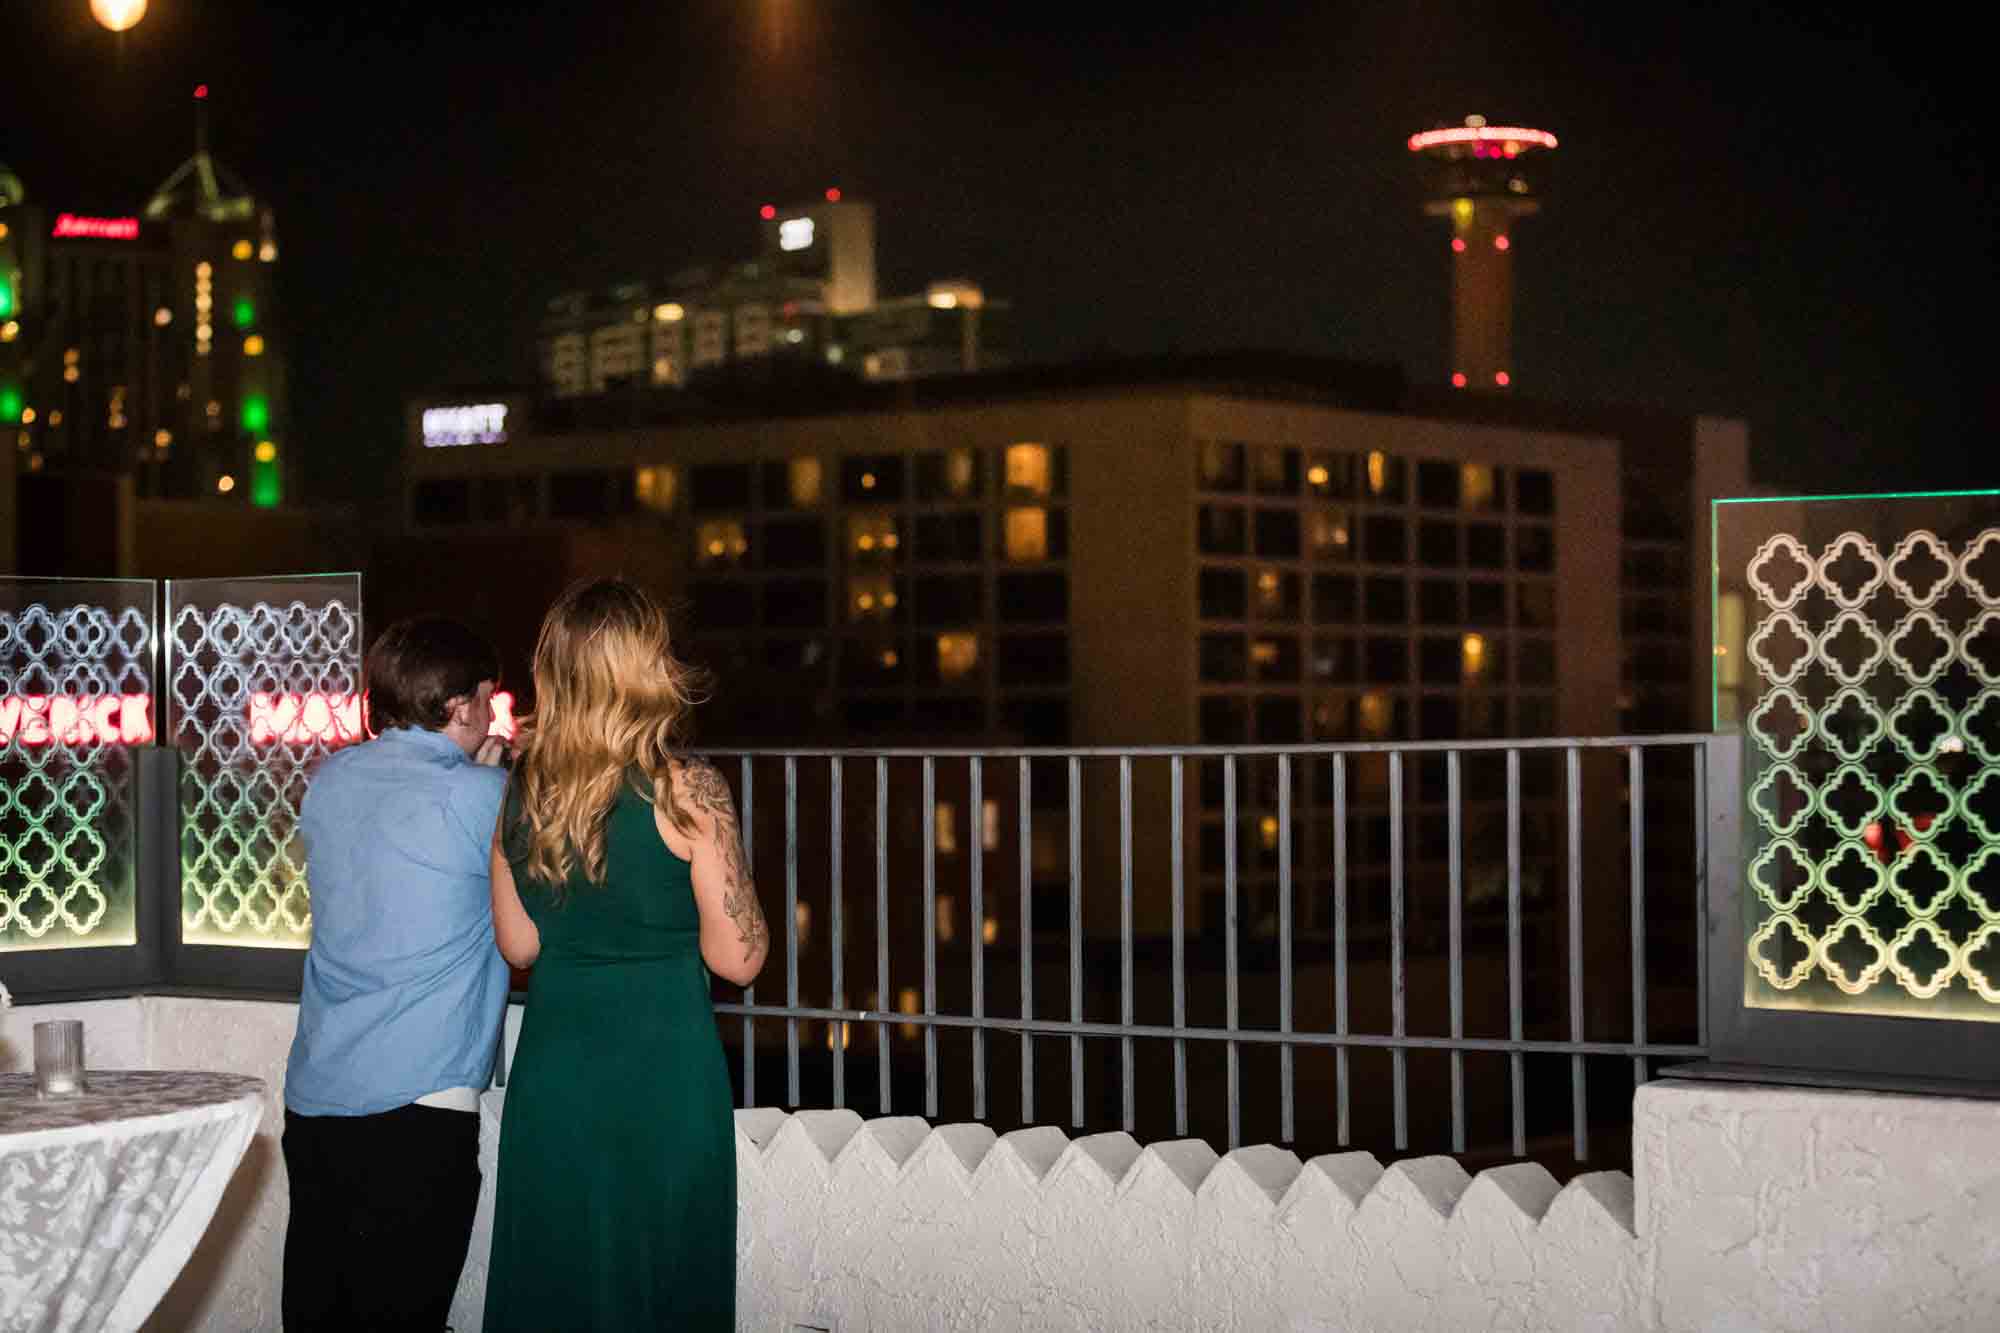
1755	1208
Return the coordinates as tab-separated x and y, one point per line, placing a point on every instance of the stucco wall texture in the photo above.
1754	1208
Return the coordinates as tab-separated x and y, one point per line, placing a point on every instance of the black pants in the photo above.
382	1211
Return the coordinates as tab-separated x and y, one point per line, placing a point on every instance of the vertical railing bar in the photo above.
750	991
1128	1095
1287	1127
836	914
1579	1093
1455	819
887	1001
1636	781
930	935
1229	938
1178	851
1026	818
791	928
975	805
1516	1063
1343	1118
1701	816
1075	939
1398	982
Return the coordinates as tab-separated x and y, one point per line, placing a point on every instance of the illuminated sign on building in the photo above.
127	719
795	234
69	226
102	719
475	423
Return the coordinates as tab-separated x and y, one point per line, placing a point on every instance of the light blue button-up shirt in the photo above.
404	987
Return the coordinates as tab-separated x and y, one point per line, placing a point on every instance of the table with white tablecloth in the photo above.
104	1195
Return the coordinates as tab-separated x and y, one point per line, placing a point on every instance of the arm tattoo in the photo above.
707	793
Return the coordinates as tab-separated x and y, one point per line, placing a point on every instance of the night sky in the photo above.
1784	216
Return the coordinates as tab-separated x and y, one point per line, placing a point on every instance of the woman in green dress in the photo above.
618	873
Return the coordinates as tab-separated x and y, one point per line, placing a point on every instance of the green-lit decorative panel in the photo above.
1858	648
76	694
264	678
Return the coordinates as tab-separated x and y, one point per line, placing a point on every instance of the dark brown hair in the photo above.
418	666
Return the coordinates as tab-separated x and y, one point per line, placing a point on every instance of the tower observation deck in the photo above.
1481	177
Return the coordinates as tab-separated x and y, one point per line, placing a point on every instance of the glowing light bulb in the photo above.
225	483
1458	245
118	15
1502	378
767	212
1458	379
1501	243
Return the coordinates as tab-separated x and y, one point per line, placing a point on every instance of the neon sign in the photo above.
127	719
98	719
795	234
69	226
474	423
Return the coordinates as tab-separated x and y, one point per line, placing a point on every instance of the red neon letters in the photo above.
69	225
127	719
103	719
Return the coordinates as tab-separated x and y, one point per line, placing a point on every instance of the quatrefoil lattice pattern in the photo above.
66	790
243	876
1872	774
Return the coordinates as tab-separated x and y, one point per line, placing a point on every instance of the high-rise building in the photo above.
804	307
1480	177
146	344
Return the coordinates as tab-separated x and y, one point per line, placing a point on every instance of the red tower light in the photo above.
833	195
1501	243
1501	378
767	212
1458	379
201	92
1458	245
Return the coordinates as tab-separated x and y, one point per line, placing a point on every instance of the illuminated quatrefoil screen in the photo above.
1868	693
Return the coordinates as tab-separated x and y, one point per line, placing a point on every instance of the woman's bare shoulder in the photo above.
699	788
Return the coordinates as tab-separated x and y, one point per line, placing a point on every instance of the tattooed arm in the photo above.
734	937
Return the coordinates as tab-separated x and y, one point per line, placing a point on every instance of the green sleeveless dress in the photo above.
615	1207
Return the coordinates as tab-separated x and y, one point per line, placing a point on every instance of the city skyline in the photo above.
1716	242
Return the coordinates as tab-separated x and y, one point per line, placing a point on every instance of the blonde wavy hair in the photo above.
610	698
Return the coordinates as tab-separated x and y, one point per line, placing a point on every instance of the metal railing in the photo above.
1333	871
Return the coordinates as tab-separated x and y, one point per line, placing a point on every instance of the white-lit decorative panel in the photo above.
264	679
76	694
1858	647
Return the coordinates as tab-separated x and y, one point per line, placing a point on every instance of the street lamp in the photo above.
118	15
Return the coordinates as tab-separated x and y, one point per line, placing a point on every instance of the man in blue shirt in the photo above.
404	991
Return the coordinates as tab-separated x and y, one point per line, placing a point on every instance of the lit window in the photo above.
1267	832
1475	486
1270	589
802	479
55	417
71	355
947	917
1028	468
908	1002
242	250
1318	477
1264	653
202	270
10	331
802	921
1378	472
957	655
163	317
268	252
960	469
1472	654
989	931
868	481
669	312
27	416
989	828
871	597
1027	534
872	535
1376	716
656	487
719	541
947	836
225	483
1327	533
70	374
253	345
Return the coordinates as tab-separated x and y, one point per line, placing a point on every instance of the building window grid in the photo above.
1232	487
